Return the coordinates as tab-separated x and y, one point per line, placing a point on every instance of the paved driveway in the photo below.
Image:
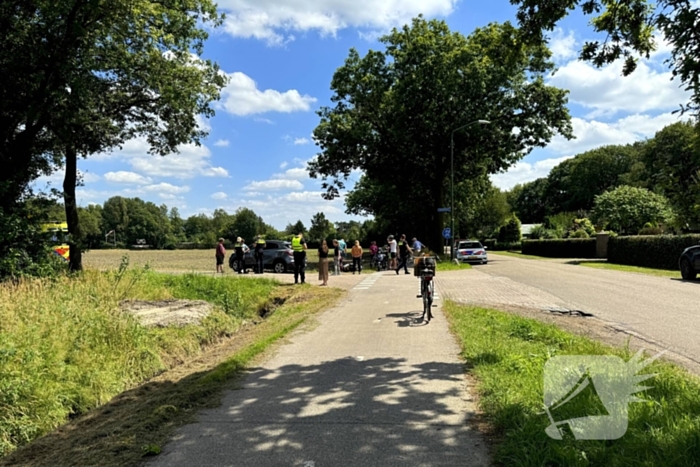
664	310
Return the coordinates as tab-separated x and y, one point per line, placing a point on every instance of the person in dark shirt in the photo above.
259	247
404	251
323	263
220	254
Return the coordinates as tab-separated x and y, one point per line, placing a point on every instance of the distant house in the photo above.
525	229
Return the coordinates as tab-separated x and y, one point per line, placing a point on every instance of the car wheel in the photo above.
279	267
687	271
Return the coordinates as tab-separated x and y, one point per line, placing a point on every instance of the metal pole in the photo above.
452	187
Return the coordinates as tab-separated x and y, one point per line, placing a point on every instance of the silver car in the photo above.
471	251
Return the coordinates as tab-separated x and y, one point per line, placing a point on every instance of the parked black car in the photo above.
277	256
689	263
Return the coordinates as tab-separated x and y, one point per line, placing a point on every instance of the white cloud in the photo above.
241	96
282	210
284	164
271	20
298	173
219	195
89	177
592	134
524	172
264	120
274	184
55	180
607	92
222	143
562	46
167	188
301	141
192	161
127	178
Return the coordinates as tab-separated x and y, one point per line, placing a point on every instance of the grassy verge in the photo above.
516	254
66	349
636	269
507	355
449	266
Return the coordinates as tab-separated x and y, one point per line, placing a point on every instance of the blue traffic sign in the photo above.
444	209
447	233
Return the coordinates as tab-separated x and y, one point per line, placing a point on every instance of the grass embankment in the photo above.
450	266
635	269
517	254
66	348
507	355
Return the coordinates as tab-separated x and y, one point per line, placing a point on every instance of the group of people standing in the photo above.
339	252
240	249
398	251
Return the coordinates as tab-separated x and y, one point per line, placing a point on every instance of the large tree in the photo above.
395	110
627	209
84	76
672	162
321	228
628	28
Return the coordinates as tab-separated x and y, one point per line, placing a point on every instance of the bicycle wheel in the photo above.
431	291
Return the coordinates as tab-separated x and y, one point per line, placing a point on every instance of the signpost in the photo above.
447	233
444	210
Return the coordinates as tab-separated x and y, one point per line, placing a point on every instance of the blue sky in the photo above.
280	56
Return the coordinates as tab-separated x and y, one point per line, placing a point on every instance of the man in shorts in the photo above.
392	252
220	255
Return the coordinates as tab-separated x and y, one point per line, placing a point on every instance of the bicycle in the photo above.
425	269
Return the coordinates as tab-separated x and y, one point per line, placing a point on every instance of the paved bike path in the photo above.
369	386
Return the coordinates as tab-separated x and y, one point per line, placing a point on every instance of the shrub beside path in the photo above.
369	386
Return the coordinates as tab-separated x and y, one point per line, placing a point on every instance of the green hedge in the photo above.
652	251
495	245
561	248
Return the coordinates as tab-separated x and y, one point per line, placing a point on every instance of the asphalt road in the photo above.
369	386
665	310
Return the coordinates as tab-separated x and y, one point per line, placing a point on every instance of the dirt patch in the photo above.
164	313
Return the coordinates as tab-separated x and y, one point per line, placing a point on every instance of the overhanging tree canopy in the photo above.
628	27
395	109
83	76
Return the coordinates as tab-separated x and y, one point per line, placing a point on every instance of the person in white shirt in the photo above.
392	250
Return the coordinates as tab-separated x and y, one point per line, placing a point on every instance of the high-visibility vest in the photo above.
238	245
296	244
261	241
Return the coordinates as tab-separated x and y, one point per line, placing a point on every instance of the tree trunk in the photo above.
76	240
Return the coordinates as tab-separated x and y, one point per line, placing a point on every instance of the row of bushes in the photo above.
494	245
561	248
659	251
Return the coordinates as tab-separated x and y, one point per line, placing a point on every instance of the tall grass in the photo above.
508	354
66	347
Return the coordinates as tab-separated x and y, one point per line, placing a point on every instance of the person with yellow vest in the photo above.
299	249
259	247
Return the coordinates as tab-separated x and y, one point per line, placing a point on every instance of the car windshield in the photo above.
465	245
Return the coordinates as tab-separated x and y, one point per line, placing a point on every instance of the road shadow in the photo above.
347	411
406	320
687	281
